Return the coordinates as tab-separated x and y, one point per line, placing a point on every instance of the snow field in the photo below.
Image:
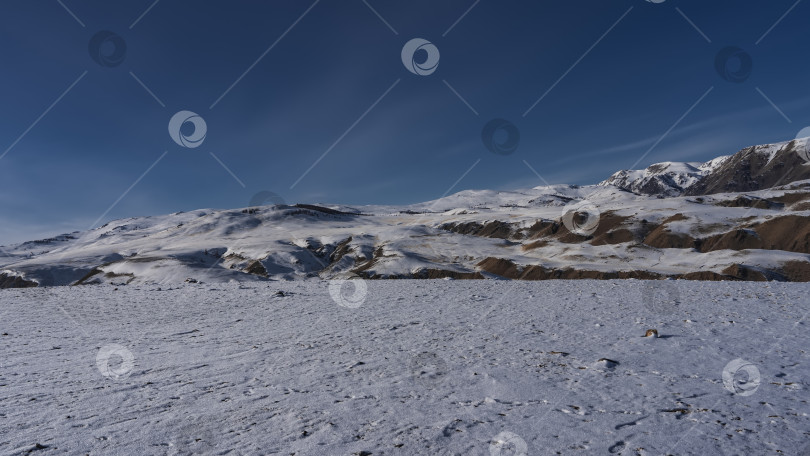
406	367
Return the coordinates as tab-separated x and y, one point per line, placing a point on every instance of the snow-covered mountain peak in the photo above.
752	168
664	179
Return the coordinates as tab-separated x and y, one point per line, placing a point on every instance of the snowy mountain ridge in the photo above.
669	179
666	179
672	220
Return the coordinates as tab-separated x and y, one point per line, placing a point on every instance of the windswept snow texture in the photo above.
420	367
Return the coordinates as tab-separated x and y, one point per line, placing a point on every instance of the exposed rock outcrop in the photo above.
15	281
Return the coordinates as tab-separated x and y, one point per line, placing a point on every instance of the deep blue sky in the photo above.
340	58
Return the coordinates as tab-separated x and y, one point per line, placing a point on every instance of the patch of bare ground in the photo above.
705	275
749	171
340	251
751	202
508	269
790	233
802	206
710	228
750	274
739	239
796	271
534	245
661	237
256	267
87	278
426	273
494	229
367	264
609	231
14	281
94	276
445	274
542	229
792	197
612	229
746	273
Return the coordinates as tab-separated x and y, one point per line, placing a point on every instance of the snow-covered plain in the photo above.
404	367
